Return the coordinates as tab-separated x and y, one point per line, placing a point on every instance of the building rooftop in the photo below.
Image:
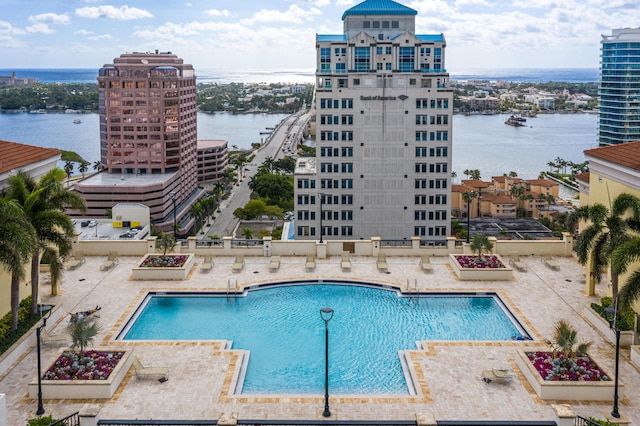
115	179
379	7
15	155
624	154
204	144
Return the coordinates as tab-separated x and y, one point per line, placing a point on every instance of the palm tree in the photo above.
44	203
68	168
247	233
97	165
565	341
479	244
17	242
608	229
621	258
82	333
454	175
165	243
83	167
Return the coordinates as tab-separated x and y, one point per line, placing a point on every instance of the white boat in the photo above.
77	121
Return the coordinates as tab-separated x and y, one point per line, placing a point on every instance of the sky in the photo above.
280	34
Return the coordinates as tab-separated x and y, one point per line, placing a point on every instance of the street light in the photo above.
321	229
612	325
45	312
326	314
468	197
175	227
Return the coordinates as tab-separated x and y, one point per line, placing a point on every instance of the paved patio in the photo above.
201	373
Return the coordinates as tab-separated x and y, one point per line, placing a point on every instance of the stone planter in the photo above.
481	274
602	325
635	355
565	390
163	273
83	389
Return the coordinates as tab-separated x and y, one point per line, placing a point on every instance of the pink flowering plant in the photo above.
164	261
93	365
477	262
568	359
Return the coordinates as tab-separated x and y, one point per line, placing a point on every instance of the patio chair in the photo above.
552	264
518	264
274	265
78	259
48	338
142	372
497	375
310	265
112	259
239	263
425	263
346	262
382	262
207	263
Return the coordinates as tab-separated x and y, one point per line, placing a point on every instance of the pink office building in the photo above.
148	138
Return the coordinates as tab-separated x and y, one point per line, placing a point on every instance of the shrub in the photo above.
25	322
625	316
41	421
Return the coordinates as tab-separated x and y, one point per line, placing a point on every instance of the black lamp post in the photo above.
468	198
612	325
326	314
45	312
175	227
321	229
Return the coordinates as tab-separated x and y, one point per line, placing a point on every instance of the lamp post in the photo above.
468	197
326	314
612	325
175	227
45	312
321	203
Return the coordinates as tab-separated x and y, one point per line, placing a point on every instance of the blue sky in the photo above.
280	34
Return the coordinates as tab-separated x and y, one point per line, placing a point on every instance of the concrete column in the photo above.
151	244
425	419
415	244
227	419
451	245
192	244
89	414
375	246
226	243
321	250
565	414
3	410
266	246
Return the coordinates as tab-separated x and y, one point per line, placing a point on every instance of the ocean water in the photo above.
534	75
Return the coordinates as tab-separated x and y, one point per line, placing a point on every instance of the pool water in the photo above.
282	328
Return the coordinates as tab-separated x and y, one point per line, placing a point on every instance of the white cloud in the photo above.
100	37
111	12
188	4
7	29
50	18
40	28
83	32
216	12
344	2
294	14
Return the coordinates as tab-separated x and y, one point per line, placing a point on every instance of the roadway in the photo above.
283	141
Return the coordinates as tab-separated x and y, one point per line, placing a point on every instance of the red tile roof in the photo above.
624	154
476	183
584	177
15	155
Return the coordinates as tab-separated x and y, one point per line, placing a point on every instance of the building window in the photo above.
362	59
348	103
421	184
406	59
421	119
420	215
422	103
421	136
421	167
341	67
421	151
419	231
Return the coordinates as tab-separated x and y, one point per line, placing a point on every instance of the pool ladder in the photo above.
232	284
413	293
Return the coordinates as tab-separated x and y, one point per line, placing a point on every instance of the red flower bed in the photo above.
93	366
168	261
561	368
477	262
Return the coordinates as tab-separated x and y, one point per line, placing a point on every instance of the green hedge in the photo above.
625	316
25	322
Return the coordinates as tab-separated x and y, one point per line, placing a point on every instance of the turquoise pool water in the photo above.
282	328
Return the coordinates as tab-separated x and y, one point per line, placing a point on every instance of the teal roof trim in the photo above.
379	7
430	37
331	37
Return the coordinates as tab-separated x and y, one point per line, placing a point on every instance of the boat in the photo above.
513	122
77	121
518	117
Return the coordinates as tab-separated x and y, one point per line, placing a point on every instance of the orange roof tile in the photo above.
15	155
461	188
476	183
541	182
624	154
584	177
498	199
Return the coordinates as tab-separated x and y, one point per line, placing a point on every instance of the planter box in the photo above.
568	391
146	273
83	389
635	355
481	274
602	325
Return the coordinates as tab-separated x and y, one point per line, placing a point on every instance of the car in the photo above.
92	223
126	235
133	231
85	223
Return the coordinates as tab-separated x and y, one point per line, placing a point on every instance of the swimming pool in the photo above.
282	328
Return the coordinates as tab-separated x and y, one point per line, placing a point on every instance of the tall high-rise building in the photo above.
148	138
620	87
383	132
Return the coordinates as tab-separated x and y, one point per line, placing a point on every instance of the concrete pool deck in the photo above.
201	373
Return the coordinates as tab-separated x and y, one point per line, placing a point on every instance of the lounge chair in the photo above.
274	265
207	264
518	264
310	265
112	259
142	372
78	259
239	263
382	262
548	260
425	263
346	262
48	338
497	375
85	315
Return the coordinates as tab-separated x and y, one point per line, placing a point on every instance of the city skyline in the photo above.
277	34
